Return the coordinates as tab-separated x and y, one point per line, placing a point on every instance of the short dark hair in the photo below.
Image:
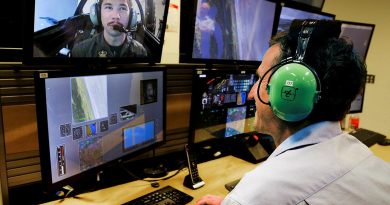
340	69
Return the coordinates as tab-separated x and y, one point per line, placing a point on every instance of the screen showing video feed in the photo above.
287	15
232	29
99	29
92	120
360	34
220	105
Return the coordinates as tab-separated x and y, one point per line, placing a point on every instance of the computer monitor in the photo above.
88	120
220	107
226	32
70	32
289	13
359	34
357	103
11	44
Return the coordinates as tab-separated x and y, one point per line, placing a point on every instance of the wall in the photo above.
172	34
376	109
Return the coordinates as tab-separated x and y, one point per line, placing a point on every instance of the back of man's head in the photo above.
340	70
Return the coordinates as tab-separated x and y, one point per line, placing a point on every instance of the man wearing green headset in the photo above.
307	81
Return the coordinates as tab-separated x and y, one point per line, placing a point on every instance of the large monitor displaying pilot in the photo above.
99	29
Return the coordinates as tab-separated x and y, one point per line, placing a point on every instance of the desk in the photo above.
382	152
215	173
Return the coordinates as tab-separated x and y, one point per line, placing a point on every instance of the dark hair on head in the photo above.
340	69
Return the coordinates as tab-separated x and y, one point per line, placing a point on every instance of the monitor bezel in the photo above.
28	57
307	5
43	134
187	30
194	109
300	4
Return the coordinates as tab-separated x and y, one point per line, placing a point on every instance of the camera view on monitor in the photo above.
233	29
220	107
92	120
287	15
99	29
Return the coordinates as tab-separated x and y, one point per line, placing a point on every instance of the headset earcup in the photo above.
292	90
94	14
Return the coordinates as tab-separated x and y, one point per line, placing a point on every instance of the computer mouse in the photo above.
155	184
384	142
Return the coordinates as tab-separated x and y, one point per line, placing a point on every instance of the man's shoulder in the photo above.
87	42
136	44
302	172
367	183
81	48
137	48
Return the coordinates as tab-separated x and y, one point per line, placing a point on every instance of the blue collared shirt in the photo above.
317	165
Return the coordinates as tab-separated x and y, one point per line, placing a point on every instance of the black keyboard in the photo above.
164	196
367	137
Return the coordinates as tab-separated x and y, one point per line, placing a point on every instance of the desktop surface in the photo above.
216	173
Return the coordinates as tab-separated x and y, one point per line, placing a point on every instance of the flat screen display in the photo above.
220	107
226	31
86	121
288	14
359	34
94	31
357	104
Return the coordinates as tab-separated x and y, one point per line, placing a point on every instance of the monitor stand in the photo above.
156	171
250	149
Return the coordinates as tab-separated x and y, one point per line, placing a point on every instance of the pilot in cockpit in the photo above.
117	19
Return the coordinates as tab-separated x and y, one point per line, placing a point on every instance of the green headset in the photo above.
293	86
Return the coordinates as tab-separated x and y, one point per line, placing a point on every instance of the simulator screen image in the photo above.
89	98
222	107
232	29
96	119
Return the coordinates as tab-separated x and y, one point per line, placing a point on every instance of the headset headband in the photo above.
303	38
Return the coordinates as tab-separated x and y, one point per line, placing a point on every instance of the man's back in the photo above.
340	170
